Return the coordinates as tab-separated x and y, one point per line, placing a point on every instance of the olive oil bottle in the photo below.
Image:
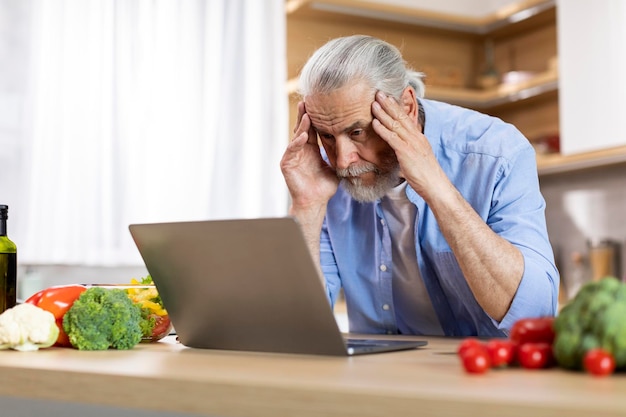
8	264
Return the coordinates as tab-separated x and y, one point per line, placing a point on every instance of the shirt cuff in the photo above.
536	295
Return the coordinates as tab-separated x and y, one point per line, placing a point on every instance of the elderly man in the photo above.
428	216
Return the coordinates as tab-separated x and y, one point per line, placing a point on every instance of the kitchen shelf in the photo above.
540	84
558	164
504	17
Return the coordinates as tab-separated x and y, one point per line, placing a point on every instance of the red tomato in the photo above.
533	330
535	355
501	352
161	327
476	360
599	362
467	343
57	300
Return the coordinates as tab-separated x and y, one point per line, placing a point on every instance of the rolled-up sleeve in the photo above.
518	215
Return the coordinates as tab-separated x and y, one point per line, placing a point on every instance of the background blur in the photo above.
116	112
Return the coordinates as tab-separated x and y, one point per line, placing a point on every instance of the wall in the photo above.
584	205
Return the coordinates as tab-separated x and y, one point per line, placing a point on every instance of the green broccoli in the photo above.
103	318
595	318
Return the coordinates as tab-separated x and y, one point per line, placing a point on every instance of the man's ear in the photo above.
409	103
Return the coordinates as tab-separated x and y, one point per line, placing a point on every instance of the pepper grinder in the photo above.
604	258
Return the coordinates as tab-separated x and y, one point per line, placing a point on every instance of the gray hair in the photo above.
359	57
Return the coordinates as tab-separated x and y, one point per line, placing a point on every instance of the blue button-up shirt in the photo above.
493	166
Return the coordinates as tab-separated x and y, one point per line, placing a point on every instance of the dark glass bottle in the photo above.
8	264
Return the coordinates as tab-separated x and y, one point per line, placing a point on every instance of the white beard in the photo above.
367	194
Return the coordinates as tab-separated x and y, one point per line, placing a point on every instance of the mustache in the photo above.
356	170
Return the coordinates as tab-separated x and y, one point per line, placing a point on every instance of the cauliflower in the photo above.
27	327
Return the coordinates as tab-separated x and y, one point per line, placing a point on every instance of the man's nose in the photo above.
346	152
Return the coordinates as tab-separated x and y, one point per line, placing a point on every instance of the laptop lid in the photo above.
245	284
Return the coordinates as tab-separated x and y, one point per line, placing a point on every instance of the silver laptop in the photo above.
246	284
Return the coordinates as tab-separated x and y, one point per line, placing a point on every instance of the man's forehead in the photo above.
339	110
359	124
342	120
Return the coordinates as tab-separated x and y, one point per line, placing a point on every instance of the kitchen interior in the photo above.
519	60
525	61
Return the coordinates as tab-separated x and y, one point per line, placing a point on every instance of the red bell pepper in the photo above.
57	300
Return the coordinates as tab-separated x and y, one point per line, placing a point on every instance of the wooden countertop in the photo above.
428	381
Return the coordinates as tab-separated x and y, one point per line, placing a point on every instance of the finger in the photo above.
294	149
389	104
291	157
311	130
301	111
298	142
390	113
312	133
392	138
386	127
304	124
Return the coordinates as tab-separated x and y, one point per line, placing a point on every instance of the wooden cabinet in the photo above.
519	42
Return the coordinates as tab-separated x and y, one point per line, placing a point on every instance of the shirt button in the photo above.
382	221
385	307
383	267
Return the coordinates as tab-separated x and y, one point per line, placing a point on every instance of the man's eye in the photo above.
358	135
326	136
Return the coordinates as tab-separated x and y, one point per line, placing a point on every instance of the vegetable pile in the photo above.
589	334
529	345
88	318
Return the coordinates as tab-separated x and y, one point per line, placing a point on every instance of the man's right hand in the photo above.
310	180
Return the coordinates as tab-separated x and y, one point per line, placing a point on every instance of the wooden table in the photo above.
427	382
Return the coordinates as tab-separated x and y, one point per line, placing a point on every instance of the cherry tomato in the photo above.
57	300
501	352
599	362
535	355
532	330
162	327
475	360
466	344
